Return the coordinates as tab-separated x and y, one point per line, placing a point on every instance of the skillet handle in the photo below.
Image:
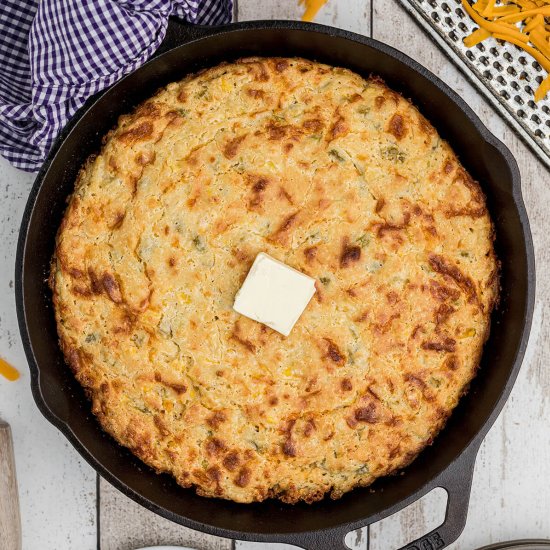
457	482
334	539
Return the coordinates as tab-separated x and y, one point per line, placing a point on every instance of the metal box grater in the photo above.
503	72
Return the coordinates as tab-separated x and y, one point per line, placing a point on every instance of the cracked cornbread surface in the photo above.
335	175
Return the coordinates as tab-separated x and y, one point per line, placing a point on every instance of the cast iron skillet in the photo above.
449	462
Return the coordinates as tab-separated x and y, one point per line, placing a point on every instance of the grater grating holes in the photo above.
509	75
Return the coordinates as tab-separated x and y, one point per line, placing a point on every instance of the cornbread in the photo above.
342	179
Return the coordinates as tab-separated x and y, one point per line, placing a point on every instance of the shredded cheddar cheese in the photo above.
312	7
525	23
7	371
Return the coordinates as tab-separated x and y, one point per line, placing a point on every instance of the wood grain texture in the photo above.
507	501
10	520
126	525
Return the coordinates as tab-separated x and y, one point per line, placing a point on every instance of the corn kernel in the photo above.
226	87
168	405
185	298
468	333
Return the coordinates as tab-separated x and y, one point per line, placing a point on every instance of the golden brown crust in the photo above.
339	177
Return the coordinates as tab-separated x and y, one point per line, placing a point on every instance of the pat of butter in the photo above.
274	294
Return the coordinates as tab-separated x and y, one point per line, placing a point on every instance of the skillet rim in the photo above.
465	458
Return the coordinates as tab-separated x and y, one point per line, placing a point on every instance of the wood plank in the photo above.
506	500
126	525
49	470
352	15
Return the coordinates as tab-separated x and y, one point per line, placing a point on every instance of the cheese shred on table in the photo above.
7	371
312	7
525	23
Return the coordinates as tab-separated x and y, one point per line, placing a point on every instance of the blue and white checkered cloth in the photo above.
54	54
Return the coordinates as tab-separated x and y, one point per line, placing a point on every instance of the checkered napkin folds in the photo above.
54	54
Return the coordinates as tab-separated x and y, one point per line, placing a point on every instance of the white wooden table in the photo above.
64	504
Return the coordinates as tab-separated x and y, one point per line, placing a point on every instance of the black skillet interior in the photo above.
61	399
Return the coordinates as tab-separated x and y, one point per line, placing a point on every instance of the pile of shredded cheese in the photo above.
312	7
525	23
